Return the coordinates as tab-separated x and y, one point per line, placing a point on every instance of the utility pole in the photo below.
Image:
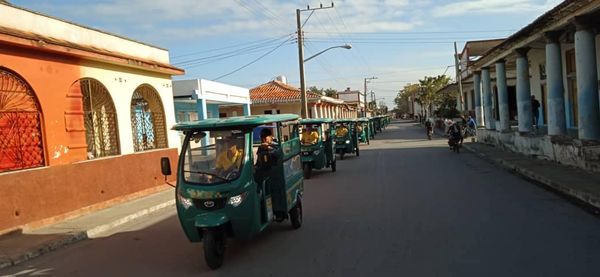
459	78
367	79
304	108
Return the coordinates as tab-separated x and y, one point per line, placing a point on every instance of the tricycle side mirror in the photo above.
165	166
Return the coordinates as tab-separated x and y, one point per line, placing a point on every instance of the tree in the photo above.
315	90
427	95
325	92
405	98
383	109
330	92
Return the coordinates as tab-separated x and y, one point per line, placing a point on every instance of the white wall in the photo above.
212	91
121	83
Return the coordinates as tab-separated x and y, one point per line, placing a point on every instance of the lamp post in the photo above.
304	103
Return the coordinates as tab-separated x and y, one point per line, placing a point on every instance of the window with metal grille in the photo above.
147	119
100	119
21	143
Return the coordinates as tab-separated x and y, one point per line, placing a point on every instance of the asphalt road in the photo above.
405	207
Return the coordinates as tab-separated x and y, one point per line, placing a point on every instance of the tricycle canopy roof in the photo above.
236	121
363	119
342	120
315	120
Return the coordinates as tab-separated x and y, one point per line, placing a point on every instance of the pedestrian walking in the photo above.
535	109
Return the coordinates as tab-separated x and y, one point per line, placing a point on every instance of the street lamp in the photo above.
345	46
304	108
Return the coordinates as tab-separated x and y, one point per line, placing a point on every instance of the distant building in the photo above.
200	99
354	99
84	118
277	97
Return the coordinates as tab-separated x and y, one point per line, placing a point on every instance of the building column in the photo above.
246	108
523	92
487	98
587	81
202	111
314	111
502	96
477	91
557	124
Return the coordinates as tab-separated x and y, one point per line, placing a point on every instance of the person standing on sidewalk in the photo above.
535	108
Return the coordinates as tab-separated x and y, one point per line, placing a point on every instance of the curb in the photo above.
93	232
588	199
73	237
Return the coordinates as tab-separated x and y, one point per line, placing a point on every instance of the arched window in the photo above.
100	119
147	119
21	144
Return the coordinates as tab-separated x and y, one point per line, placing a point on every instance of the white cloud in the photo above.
191	19
493	6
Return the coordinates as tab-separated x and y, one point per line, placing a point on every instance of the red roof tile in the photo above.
278	92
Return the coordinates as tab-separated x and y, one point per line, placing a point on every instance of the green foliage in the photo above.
330	92
426	93
325	92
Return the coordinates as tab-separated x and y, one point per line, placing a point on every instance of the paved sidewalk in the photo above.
16	248
572	182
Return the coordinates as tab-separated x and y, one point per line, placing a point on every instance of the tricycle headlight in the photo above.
347	142
316	152
237	200
186	203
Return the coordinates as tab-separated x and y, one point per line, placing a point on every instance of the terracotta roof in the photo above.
278	92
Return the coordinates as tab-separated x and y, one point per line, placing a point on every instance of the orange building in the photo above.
84	118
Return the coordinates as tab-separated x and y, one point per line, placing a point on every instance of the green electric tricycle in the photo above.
377	124
363	129
346	137
317	145
371	125
235	177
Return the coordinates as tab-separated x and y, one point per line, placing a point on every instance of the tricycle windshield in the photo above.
213	157
310	134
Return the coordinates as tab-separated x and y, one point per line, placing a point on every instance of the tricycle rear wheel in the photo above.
307	171
342	155
333	166
296	213
213	241
357	151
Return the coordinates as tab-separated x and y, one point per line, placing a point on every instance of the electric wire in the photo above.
253	61
233	53
229	47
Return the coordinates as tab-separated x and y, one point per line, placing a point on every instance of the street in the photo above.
406	207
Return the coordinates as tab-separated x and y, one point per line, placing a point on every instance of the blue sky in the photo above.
399	41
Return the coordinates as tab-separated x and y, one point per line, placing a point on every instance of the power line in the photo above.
360	55
202	63
426	32
253	61
237	52
229	47
260	11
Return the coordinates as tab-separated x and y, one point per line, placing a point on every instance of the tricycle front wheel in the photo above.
213	240
333	166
